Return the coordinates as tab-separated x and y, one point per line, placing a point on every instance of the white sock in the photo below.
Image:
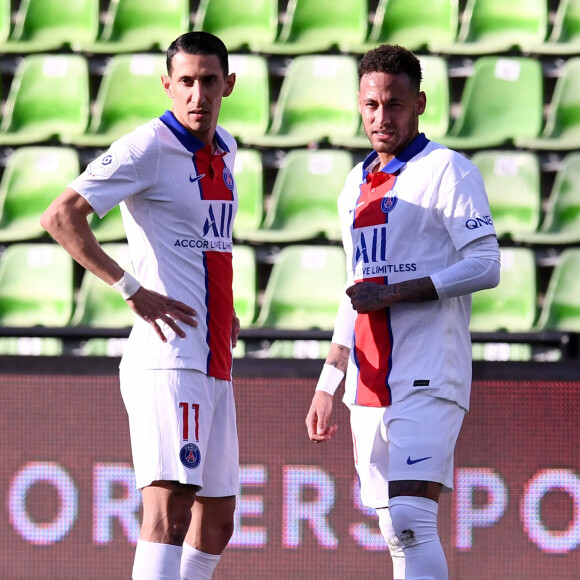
197	565
415	523
397	553
156	561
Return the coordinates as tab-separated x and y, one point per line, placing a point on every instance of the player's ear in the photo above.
421	103
166	82
230	82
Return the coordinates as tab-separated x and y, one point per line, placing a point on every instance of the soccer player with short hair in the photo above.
173	178
419	239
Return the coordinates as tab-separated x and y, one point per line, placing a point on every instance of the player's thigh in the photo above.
422	432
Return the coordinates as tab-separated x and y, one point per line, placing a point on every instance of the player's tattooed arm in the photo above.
368	296
338	356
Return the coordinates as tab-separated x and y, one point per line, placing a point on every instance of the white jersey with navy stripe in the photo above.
405	225
178	204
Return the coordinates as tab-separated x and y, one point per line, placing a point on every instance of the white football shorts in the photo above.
413	439
183	428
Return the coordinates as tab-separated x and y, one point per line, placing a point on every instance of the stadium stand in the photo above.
562	129
109	228
561	224
311	26
48	99
496	26
317	101
5	17
512	181
130	94
246	112
44	25
23	269
135	26
493	111
415	24
304	288
303	203
565	36
241	25
512	305
249	176
561	308
97	304
245	284
33	177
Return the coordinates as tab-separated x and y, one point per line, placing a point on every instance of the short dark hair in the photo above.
198	43
391	59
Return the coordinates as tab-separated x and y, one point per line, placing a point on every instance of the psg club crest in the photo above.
228	179
389	202
190	455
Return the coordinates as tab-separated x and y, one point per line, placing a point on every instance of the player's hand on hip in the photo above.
154	307
367	297
318	417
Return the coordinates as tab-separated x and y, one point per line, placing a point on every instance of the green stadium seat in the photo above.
48	99
562	130
130	94
561	308
434	122
135	25
496	26
414	24
245	284
249	176
561	224
33	177
493	111
304	289
304	197
313	26
512	180
5	20
246	112
248	24
318	101
510	306
109	228
98	305
36	285
565	36
44	25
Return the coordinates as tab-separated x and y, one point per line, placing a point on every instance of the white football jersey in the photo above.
178	203
408	221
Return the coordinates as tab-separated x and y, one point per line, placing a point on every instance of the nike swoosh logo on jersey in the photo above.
194	178
413	461
356	207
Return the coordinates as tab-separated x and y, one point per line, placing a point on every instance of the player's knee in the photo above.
389	534
414	520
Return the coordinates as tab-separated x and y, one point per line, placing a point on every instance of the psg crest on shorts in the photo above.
389	201
228	179
190	455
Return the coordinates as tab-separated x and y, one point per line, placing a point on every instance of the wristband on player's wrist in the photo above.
126	286
330	378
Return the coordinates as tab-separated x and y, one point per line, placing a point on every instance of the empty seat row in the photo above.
302	292
302	203
295	27
49	99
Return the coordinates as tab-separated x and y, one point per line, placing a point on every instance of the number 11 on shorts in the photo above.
185	413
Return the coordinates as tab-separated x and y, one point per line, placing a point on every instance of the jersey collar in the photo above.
187	139
397	163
